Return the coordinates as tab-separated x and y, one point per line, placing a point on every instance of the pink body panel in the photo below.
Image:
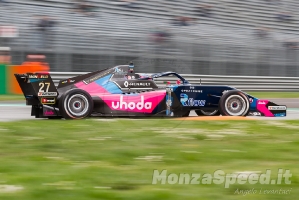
144	102
261	107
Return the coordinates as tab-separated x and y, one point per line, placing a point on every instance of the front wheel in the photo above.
76	104
234	103
181	113
207	113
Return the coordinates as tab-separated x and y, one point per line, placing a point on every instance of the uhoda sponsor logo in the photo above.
262	103
49	113
186	101
132	105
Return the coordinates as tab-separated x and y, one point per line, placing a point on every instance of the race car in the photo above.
119	91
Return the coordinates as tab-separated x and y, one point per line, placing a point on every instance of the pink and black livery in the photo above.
119	91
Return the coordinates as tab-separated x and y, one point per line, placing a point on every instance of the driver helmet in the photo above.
131	67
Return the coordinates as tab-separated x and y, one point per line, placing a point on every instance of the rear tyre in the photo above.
55	117
234	103
207	113
76	104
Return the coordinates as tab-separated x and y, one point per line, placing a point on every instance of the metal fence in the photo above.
184	53
88	44
245	83
213	65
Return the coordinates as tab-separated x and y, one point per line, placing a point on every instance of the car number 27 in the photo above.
42	86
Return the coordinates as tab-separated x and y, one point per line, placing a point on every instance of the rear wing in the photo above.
38	88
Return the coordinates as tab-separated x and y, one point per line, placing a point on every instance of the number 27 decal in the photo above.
42	85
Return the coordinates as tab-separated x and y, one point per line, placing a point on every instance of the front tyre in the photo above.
207	113
234	103
181	113
76	104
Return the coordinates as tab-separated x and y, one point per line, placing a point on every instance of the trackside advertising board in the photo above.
3	79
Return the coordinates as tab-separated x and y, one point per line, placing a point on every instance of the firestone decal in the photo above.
45	94
277	107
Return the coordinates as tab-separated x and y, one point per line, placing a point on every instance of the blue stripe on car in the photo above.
109	86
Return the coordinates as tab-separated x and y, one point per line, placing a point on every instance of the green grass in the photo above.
11	97
94	159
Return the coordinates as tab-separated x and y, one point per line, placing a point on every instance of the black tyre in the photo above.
207	113
234	103
55	117
76	104
181	113
186	113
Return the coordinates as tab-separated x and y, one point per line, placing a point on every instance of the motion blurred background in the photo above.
219	37
115	158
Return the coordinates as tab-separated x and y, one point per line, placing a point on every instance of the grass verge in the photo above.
11	97
115	159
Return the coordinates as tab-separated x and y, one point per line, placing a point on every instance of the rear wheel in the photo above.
234	103
207	113
76	104
55	117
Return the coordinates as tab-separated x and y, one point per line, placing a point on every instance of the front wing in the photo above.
267	108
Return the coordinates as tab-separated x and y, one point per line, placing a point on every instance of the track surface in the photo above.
12	111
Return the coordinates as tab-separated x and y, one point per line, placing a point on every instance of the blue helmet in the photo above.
131	67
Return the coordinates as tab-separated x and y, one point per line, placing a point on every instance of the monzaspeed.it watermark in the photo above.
220	177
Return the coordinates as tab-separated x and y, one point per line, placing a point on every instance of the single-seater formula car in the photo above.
119	91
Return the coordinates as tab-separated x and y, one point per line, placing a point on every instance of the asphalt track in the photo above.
13	111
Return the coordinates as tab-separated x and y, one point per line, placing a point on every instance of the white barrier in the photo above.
246	83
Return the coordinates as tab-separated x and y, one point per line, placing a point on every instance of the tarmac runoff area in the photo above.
13	111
